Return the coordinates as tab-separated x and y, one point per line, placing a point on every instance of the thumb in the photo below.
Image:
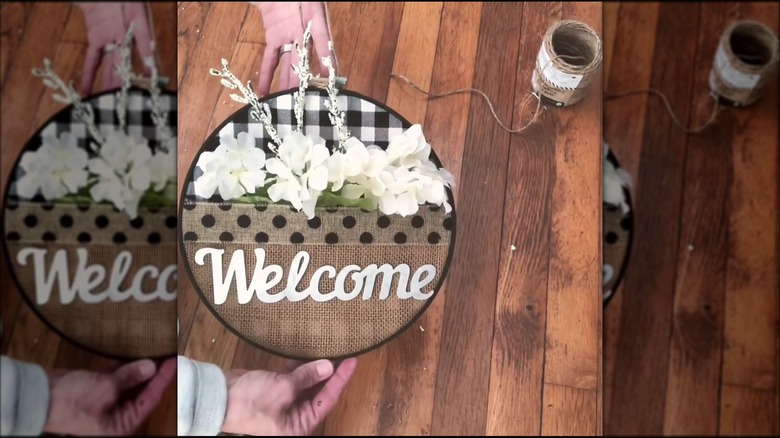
131	375
310	374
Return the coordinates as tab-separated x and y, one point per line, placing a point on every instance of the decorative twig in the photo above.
304	75
159	118
125	71
260	113
336	117
81	111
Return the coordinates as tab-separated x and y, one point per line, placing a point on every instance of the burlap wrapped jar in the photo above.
68	244
335	236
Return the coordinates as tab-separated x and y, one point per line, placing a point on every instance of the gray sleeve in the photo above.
202	398
24	394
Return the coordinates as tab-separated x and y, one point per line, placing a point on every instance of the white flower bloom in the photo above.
614	181
123	171
348	164
163	167
301	170
397	180
411	188
410	148
56	169
234	168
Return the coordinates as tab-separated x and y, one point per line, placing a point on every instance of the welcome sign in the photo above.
333	283
103	278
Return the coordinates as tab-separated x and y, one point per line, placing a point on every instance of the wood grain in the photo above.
441	375
635	26
692	346
695	348
472	280
646	310
515	403
568	411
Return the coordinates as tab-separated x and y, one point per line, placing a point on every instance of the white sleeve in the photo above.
24	394
202	398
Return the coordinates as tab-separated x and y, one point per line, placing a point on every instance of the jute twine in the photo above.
568	62
569	48
744	63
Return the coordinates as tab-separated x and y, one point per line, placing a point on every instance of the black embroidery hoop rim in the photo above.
213	139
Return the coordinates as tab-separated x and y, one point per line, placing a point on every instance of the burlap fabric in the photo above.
336	236
125	329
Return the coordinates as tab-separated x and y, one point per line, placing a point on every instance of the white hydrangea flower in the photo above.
234	168
410	148
123	171
163	166
347	164
55	169
301	170
413	178
614	181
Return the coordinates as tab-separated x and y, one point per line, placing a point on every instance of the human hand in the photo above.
93	403
284	24
107	23
267	403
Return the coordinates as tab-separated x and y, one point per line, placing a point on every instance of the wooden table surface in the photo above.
692	339
512	345
29	33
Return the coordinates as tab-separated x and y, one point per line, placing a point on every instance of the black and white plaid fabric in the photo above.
139	122
369	122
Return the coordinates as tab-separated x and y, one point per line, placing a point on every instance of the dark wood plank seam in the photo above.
746	386
547	296
501	228
398	35
681	211
725	286
10	55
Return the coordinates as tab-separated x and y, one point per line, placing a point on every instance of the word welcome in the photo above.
265	278
88	277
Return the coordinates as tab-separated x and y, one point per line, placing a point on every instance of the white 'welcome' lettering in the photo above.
265	278
88	277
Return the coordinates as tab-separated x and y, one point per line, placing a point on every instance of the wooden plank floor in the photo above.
29	33
512	344
691	340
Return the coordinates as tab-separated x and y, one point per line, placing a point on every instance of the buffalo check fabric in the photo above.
139	122
365	120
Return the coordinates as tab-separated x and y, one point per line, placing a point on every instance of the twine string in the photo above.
503	126
481	93
716	109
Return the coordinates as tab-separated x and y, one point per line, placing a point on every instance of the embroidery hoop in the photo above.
7	197
212	141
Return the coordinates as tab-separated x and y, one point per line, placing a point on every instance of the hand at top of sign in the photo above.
92	403
267	403
284	23
107	24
